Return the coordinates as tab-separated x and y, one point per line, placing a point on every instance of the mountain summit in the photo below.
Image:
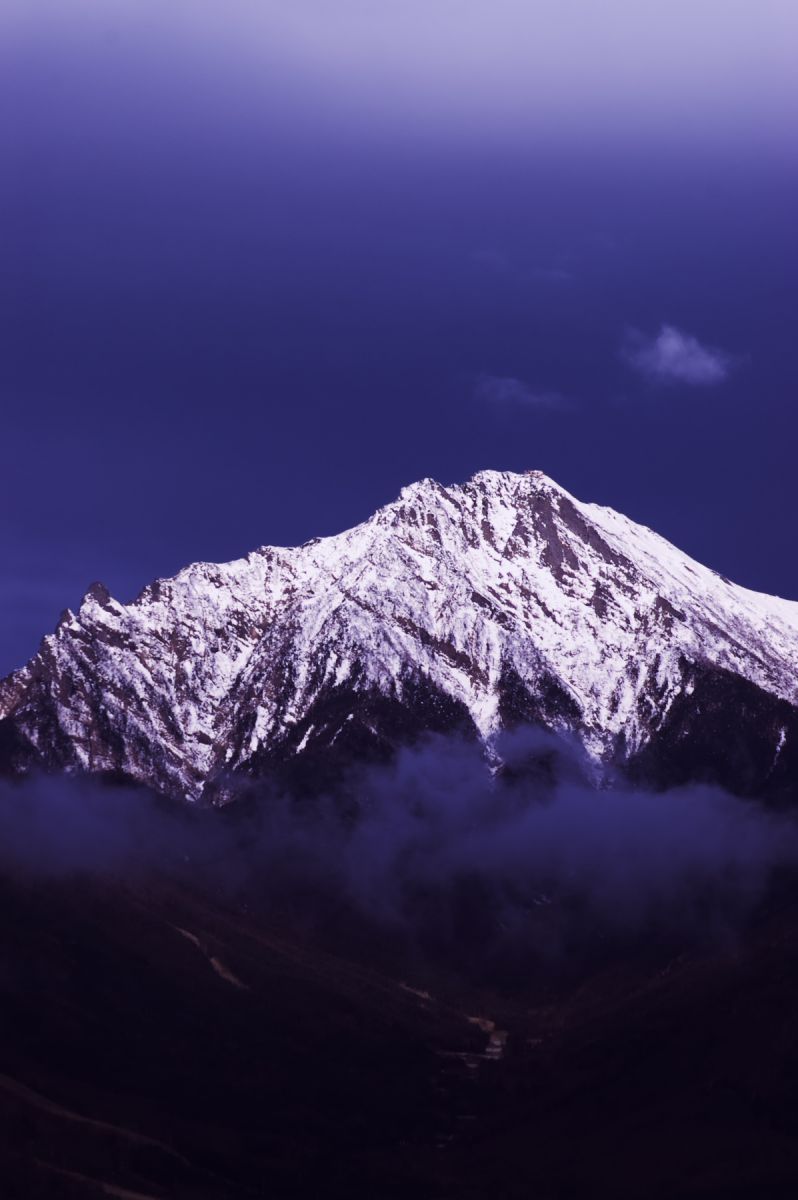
471	608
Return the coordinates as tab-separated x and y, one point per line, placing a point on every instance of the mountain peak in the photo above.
489	479
492	480
469	607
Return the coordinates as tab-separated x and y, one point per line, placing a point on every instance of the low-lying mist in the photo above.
435	854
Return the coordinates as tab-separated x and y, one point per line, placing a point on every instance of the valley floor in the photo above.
161	1042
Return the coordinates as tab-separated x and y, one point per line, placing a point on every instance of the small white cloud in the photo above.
505	389
674	355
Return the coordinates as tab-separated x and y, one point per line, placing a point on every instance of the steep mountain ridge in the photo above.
469	608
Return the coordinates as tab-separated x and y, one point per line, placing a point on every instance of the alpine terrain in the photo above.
469	609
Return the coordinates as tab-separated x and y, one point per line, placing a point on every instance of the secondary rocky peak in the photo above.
96	593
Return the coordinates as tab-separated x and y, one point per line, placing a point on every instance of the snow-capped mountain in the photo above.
468	608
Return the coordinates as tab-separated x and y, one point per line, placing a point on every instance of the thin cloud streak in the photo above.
507	390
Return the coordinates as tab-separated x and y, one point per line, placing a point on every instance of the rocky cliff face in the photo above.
468	608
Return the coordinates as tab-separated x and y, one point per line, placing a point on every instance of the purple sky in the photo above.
265	263
499	68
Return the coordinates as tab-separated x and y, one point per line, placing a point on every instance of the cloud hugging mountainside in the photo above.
468	609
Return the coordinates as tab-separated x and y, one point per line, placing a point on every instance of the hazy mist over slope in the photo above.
434	851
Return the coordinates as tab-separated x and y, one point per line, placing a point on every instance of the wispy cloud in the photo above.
507	390
498	262
555	274
491	259
675	356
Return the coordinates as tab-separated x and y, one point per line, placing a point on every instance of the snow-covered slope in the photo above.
469	607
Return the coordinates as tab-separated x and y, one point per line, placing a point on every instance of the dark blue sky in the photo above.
233	313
